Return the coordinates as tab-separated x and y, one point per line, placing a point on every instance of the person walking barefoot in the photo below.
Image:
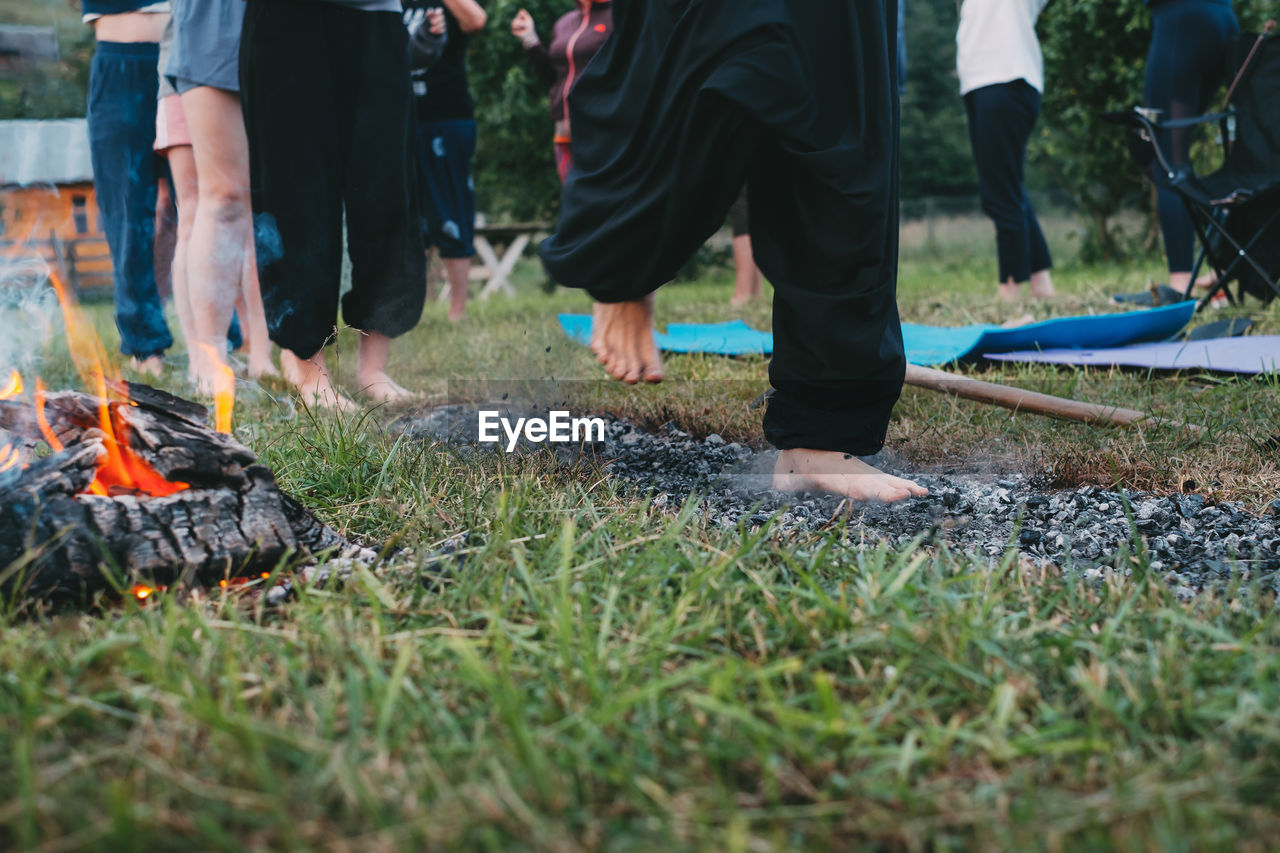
681	107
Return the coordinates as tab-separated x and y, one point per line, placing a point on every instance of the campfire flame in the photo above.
120	468
13	387
224	392
8	457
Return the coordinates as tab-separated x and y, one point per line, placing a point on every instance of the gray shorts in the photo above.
206	45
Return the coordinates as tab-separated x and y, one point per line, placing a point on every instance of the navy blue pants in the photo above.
1184	67
122	130
1000	121
445	151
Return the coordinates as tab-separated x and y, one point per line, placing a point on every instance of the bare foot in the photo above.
151	366
840	474
739	300
622	339
457	315
1010	291
311	378
1042	285
378	387
259	368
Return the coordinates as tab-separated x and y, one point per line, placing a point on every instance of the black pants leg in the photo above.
328	118
1001	118
677	109
1189	41
384	231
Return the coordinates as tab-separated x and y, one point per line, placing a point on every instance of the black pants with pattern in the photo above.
329	114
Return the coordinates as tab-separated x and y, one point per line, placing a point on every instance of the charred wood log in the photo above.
59	542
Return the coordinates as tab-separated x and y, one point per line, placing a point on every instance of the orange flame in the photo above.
224	392
13	387
8	457
119	466
43	420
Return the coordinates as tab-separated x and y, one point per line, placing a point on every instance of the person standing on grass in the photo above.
575	38
1001	74
747	283
121	117
328	110
1189	42
446	145
218	270
685	104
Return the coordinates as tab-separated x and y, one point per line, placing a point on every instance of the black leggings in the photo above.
329	114
1184	68
1000	121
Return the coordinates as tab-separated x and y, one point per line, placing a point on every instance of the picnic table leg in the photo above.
501	271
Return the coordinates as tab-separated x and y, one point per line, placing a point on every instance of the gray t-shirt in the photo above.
206	44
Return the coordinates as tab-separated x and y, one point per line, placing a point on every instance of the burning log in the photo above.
138	492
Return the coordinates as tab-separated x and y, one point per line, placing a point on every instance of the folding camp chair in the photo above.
1236	209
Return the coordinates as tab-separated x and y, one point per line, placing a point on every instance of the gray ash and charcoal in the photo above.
1191	543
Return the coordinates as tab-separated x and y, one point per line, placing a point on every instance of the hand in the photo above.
435	18
522	27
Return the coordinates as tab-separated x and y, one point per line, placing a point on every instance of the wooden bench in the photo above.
494	270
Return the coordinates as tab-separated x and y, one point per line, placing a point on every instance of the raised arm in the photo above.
470	15
523	28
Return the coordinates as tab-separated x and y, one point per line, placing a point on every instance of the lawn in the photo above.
595	671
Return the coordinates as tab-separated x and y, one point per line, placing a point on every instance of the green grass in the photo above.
600	673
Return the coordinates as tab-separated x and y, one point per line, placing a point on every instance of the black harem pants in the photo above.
329	113
689	99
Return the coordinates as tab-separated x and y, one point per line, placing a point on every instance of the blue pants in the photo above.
445	151
122	130
1000	122
1184	66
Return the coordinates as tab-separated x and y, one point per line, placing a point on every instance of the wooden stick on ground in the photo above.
1029	401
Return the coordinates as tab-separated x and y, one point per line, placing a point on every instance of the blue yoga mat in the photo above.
934	345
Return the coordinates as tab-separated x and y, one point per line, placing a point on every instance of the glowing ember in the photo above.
13	387
142	592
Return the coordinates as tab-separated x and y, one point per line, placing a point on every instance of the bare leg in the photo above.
312	378
182	165
1179	280
840	474
1010	290
1042	284
256	338
622	339
166	236
747	285
371	369
458	271
222	230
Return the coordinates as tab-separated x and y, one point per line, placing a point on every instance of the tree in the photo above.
514	170
1095	55
936	159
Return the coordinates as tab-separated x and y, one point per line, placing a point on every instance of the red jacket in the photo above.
574	40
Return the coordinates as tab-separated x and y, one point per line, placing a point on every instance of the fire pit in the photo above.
128	488
137	493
